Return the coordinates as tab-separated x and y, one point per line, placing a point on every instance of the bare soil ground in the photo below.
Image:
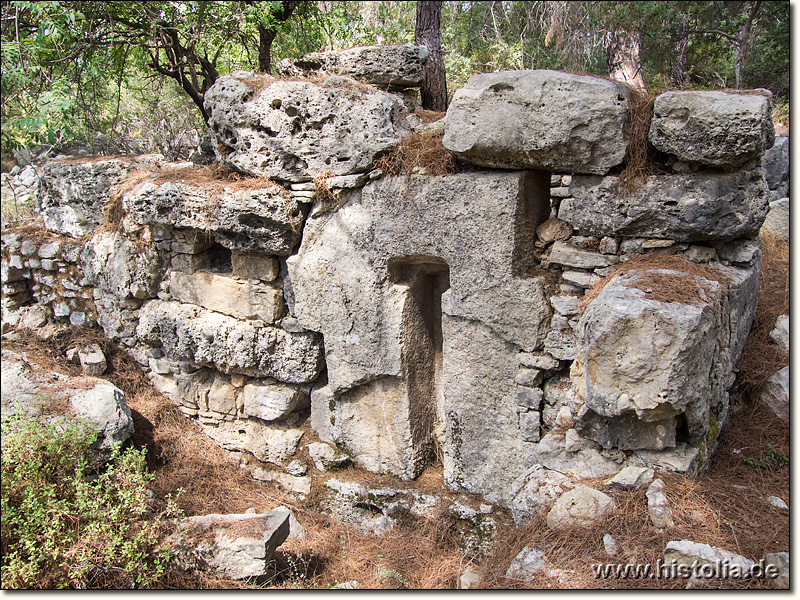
726	506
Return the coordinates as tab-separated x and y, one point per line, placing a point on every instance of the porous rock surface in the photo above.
414	313
73	194
539	120
696	206
712	128
363	277
263	219
395	66
232	346
232	546
643	362
295	130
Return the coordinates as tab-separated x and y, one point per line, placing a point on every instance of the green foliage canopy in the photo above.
67	66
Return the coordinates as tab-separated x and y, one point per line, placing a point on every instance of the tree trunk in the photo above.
265	39
741	44
267	35
434	88
622	52
681	63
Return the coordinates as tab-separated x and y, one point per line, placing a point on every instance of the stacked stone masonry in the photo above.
409	312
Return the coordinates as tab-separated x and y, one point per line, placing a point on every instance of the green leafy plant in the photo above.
384	572
67	522
772	457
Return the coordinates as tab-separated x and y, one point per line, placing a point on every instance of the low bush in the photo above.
67	521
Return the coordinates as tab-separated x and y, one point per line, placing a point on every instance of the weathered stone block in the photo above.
295	130
396	66
686	208
712	128
271	401
570	256
274	442
232	346
74	193
539	120
227	295
231	546
646	368
252	265
263	219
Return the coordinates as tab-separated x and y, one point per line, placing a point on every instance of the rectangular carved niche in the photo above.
533	209
426	279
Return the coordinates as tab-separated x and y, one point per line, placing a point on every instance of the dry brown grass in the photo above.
35	231
95	159
665	287
429	116
638	153
421	153
324	194
761	357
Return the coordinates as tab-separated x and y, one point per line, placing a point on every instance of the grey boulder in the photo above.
775	394
262	218
296	130
232	546
395	66
74	193
698	206
539	120
712	128
580	507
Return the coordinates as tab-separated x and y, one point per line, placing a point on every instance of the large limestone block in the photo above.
73	193
485	451
686	208
263	219
376	424
712	128
295	130
372	276
224	294
114	264
274	442
231	546
539	120
348	277
648	369
188	332
396	66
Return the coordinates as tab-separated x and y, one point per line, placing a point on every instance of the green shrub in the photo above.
68	524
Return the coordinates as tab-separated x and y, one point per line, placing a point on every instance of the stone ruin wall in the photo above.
413	313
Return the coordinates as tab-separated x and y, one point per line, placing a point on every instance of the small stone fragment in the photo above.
658	506
632	478
610	545
93	361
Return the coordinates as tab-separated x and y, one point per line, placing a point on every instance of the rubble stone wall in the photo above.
404	313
